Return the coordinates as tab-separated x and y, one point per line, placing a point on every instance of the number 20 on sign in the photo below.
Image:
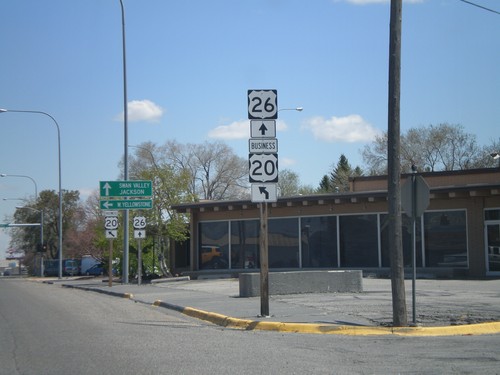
263	167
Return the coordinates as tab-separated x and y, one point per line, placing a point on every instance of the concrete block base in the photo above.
297	282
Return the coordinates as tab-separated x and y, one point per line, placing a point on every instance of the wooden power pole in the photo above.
394	169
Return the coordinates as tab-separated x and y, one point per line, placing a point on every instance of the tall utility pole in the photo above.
394	169
125	154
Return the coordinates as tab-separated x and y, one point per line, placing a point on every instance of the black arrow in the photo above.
263	190
263	129
111	233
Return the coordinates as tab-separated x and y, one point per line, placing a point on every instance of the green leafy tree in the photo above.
171	186
338	180
324	185
27	239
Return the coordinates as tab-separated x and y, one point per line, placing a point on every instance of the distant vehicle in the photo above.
208	253
95	270
6	273
98	270
87	262
69	267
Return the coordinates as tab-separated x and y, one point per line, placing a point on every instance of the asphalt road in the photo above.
46	329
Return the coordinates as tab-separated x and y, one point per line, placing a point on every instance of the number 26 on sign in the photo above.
262	104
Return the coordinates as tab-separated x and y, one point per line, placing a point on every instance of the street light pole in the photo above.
20	175
298	109
60	188
125	154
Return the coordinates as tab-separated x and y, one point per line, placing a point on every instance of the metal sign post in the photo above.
139	262
415	195
264	262
110	266
139	223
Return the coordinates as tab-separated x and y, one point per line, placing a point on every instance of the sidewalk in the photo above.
443	307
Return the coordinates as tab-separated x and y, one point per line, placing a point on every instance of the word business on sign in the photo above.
263	145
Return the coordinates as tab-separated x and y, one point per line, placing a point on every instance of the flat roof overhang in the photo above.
444	192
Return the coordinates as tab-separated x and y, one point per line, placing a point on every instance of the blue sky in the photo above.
191	62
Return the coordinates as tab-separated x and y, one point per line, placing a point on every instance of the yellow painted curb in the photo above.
245	324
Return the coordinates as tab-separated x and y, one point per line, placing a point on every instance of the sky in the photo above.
190	64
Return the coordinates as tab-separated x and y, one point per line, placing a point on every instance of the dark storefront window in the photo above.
492	214
358	241
407	241
445	239
214	245
319	241
245	244
283	240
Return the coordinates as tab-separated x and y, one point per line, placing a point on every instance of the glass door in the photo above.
493	247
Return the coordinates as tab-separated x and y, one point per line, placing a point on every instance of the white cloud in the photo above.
142	110
235	130
352	128
286	162
239	130
85	193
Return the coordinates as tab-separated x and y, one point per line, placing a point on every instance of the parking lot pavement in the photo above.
443	307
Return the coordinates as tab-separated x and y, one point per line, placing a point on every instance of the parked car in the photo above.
95	270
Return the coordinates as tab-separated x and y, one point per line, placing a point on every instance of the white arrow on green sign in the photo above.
132	204
127	188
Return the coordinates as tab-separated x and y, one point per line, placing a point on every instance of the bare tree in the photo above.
288	183
444	147
216	171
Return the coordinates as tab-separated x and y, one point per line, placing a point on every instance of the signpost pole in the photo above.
264	262
139	262
110	265
414	242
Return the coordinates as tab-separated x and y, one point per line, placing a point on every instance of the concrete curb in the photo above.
108	292
490	328
245	324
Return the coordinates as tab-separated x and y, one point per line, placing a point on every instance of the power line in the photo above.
480	6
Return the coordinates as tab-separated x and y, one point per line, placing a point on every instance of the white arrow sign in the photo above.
139	234
263	129
264	193
106	188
